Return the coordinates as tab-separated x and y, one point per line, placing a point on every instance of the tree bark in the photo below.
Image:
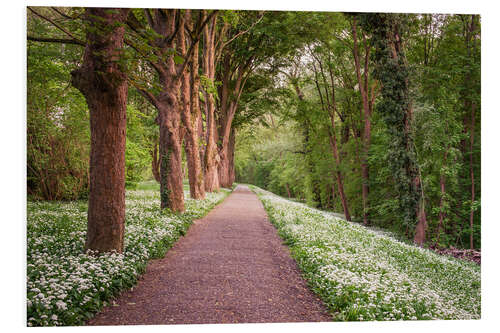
363	87
229	94
104	85
155	162
231	146
171	187
210	157
471	167
414	185
340	184
190	113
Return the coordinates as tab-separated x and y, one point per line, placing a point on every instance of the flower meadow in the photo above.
363	274
66	286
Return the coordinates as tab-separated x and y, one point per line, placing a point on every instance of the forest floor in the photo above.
231	267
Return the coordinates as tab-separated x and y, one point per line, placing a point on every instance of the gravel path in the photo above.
231	267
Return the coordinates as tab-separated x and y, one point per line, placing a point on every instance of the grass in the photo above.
364	274
66	286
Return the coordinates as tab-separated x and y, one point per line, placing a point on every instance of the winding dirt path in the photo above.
231	267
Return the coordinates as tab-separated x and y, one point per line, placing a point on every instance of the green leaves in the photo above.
178	59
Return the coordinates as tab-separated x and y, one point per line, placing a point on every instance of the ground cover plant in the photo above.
363	274
66	286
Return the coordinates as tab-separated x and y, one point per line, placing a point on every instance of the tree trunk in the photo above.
104	85
190	112
211	157
340	184
171	187
471	167
363	88
232	142
225	120
394	78
155	163
421	227
229	105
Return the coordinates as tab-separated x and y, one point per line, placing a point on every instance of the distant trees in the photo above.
404	124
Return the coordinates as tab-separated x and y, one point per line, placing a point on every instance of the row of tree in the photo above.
183	70
378	116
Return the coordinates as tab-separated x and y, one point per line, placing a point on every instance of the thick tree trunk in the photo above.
229	94
412	198
210	157
223	169
171	176
171	187
225	120
190	116
104	85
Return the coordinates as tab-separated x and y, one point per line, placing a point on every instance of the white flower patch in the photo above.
64	284
365	274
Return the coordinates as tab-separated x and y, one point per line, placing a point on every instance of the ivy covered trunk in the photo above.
171	187
395	107
104	85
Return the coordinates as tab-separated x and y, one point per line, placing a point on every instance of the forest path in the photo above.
231	267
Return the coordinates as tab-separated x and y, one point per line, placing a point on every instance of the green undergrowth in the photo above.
66	286
364	274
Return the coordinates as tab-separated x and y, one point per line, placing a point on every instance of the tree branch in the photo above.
244	31
145	93
56	40
189	53
56	25
61	13
132	45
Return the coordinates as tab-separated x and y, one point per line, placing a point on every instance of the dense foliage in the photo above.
57	125
422	147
